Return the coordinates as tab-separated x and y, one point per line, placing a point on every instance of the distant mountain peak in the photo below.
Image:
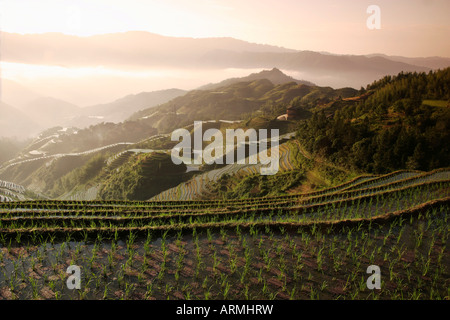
276	70
275	75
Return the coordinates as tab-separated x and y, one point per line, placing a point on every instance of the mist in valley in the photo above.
72	93
54	79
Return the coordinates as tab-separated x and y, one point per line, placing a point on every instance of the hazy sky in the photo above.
408	27
411	28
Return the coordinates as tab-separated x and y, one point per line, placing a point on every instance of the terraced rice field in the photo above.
120	158
19	161
10	191
89	194
199	185
305	246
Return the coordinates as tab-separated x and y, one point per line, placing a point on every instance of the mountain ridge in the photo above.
386	116
142	51
122	108
276	76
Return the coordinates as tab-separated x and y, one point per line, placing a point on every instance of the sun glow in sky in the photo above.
409	27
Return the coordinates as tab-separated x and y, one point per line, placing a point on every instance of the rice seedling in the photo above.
246	247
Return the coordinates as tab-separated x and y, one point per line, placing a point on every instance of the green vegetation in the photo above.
436	103
395	123
349	194
142	177
392	129
257	185
304	246
80	176
101	135
243	100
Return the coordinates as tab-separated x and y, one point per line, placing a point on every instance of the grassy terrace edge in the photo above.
186	203
345	197
416	210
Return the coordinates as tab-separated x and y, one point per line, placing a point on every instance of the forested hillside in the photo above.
403	124
399	122
237	101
